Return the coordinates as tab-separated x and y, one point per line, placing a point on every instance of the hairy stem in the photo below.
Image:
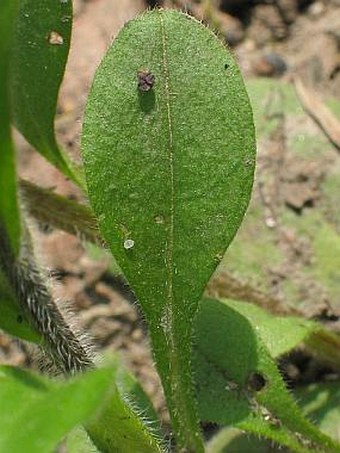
68	350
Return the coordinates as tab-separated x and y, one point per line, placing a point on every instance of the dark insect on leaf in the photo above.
146	80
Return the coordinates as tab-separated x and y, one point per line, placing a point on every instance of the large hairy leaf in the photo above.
169	150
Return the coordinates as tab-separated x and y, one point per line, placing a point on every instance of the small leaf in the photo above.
130	388
78	441
9	211
36	413
169	150
293	331
279	334
134	425
238	382
40	49
119	428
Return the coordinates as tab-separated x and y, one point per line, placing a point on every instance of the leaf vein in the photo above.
170	241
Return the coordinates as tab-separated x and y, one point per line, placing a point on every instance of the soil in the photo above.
277	39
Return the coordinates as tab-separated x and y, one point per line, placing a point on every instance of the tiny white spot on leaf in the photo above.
128	244
159	219
55	39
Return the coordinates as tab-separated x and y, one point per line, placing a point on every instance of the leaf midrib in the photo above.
179	386
170	155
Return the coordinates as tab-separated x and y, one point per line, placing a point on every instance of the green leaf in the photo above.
279	334
130	388
134	425
10	229
232	440
40	49
169	172
293	331
79	441
238	382
9	211
119	428
36	413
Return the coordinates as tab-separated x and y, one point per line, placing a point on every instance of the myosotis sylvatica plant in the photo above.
168	147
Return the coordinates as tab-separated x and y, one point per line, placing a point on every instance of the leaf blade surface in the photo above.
40	49
169	172
9	210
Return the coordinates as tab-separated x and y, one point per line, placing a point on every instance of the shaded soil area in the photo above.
286	256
